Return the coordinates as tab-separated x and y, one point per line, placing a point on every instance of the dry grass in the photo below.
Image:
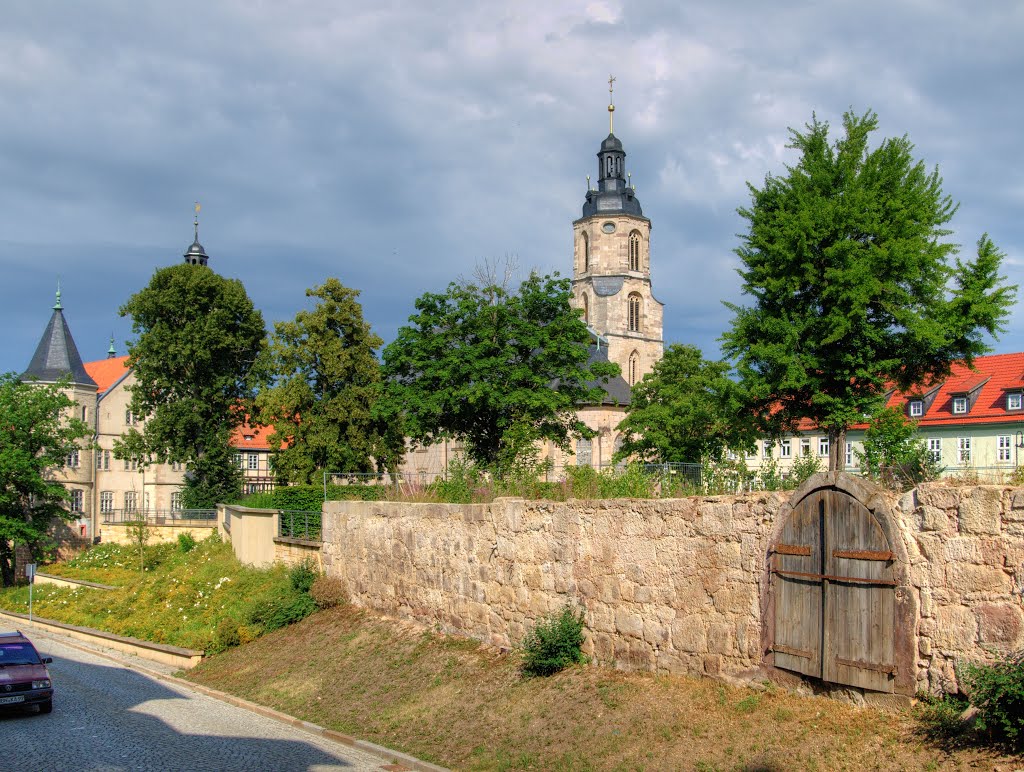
465	706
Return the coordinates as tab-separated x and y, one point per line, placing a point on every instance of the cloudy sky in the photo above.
397	144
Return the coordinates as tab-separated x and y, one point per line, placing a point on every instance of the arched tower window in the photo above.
634	251
586	252
633	368
584	452
586	310
634	312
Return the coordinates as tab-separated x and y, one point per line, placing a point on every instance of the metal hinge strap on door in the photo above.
793	549
782	649
887	669
833	578
862	555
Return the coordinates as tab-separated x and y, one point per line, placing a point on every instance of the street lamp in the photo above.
1018	443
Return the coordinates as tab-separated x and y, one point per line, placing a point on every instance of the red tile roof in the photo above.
107	372
252	437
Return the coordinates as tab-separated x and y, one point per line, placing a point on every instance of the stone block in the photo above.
955	630
924	645
712	664
688	634
628	623
720	638
966	578
1001	624
980	511
927	605
938	495
933	519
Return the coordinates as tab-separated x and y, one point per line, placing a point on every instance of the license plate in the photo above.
9	700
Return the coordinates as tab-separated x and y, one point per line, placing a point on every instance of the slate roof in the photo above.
57	355
616	390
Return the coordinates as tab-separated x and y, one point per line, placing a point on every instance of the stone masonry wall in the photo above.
672	585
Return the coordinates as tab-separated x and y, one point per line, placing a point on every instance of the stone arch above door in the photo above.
837	601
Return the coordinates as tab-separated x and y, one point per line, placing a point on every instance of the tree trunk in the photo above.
6	564
837	450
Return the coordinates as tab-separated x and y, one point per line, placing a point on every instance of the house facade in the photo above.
972	423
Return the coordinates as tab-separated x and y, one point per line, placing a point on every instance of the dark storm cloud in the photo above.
395	145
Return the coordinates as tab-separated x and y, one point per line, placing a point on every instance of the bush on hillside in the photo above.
998	693
328	592
554	643
303	575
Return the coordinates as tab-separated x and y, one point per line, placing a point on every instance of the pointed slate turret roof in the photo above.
57	355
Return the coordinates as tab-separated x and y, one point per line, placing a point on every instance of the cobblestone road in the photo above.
108	717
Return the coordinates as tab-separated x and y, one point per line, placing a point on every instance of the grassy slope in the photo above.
455	703
179	599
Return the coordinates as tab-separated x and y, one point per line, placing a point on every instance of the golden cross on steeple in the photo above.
611	104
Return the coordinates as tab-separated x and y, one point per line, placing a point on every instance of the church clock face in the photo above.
608	227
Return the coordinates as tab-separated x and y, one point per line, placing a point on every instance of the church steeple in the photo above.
614	194
57	355
195	254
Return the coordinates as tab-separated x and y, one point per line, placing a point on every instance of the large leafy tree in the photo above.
855	285
195	362
37	434
685	410
327	380
496	369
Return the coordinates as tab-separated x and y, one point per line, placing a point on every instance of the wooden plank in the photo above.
792	549
888	669
862	554
834	578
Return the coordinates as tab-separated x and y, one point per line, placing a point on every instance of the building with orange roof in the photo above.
971	422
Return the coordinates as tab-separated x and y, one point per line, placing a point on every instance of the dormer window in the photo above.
916	408
1013	401
959	405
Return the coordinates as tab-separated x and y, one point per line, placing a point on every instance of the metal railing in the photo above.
299	524
186	517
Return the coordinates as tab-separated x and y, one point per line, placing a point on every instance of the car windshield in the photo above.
17	654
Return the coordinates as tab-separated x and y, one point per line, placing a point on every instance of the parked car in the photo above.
24	679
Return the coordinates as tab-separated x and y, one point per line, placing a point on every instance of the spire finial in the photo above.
611	104
57	306
111	352
196	222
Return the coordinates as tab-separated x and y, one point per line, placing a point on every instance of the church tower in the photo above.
611	280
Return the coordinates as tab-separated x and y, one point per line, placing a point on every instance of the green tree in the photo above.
195	362
850	271
327	382
893	453
685	410
38	434
496	369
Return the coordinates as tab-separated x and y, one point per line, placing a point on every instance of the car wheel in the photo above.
46	707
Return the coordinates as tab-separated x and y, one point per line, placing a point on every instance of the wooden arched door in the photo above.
834	591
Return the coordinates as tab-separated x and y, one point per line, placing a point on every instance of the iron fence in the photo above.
184	517
300	524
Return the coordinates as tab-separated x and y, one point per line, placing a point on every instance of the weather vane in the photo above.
611	104
196	222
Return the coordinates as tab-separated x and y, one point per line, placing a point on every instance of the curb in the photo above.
386	754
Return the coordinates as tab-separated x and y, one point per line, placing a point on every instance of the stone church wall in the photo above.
670	585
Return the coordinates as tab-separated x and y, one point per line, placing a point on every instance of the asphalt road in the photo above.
109	717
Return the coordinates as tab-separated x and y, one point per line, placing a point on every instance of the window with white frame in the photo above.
584	452
254	461
76	500
916	408
935	449
822	446
129	419
1003	446
1013	401
131	465
72	460
176	501
963	450
237	458
959	405
785	449
849	454
131	501
106	501
766	449
805	446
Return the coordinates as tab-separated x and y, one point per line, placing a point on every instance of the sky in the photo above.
397	145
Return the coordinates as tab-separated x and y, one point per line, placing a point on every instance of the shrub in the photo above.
279	608
941	719
998	693
224	636
328	592
554	643
186	542
303	575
